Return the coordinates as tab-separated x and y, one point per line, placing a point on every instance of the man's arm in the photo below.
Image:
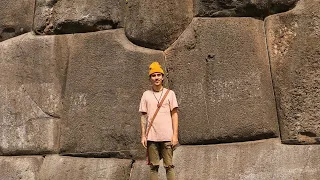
174	116
143	129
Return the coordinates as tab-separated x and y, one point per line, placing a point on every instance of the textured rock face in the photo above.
157	24
25	168
107	75
294	47
31	81
16	18
265	159
61	17
74	168
227	8
220	72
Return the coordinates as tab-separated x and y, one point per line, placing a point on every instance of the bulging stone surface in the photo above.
264	159
16	18
220	72
19	167
31	81
74	168
157	24
62	17
107	75
294	47
248	8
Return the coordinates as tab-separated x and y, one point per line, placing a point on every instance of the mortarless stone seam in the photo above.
271	74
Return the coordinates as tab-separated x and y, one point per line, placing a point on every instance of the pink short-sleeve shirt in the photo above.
161	129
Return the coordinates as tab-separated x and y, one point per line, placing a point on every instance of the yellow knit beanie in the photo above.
155	67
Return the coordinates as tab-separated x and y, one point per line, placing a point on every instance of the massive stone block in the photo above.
16	18
74	168
222	8
31	81
220	72
107	75
264	159
157	24
61	17
294	47
20	167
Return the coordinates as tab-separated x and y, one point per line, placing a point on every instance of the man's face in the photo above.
156	78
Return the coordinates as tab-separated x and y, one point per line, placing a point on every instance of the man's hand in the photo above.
174	141
144	141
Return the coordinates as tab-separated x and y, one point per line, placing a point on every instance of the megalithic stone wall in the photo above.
65	16
220	70
31	81
294	47
107	75
240	8
157	24
78	94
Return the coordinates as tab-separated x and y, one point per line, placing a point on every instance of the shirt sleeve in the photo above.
143	104
173	101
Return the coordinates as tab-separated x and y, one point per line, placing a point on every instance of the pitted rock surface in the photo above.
107	75
220	72
15	18
20	167
74	168
264	159
294	47
66	17
157	24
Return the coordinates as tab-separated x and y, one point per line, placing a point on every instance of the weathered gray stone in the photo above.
61	17
249	8
220	72
31	82
157	24
264	159
74	168
20	167
16	18
294	47
107	75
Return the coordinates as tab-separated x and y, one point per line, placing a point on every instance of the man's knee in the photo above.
169	167
154	167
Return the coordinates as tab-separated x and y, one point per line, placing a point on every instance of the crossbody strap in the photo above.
155	114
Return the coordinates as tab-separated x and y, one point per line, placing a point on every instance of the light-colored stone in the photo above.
65	16
294	47
15	17
264	159
242	8
157	24
20	167
31	81
107	75
220	72
74	168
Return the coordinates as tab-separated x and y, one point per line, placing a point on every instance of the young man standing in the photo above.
163	132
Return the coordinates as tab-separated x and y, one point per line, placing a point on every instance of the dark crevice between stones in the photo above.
233	9
147	44
131	168
272	79
10	32
108	154
69	27
228	139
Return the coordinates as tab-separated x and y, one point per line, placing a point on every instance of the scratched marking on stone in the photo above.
78	102
218	91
